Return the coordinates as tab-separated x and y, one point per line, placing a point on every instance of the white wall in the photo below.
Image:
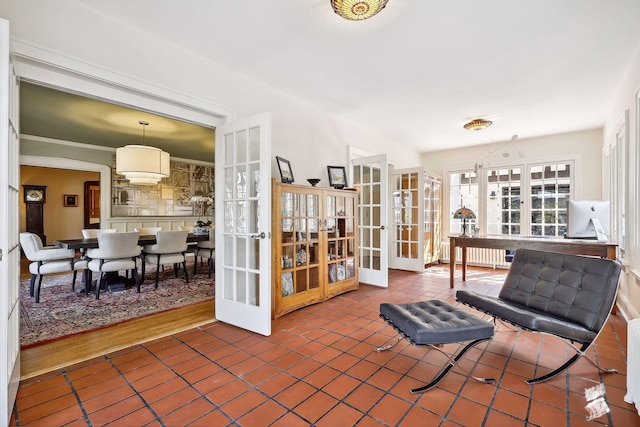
311	139
586	146
629	296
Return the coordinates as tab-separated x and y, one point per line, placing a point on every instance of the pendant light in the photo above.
141	164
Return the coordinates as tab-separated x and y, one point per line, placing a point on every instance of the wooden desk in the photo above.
549	244
142	240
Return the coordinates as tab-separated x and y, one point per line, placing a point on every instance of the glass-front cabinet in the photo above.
314	245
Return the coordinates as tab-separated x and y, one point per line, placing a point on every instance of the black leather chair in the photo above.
568	296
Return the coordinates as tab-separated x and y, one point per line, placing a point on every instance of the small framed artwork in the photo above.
286	174
71	200
337	176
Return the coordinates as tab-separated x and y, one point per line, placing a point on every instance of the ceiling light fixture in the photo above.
477	124
141	164
358	10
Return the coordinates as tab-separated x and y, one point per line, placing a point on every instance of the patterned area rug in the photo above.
62	311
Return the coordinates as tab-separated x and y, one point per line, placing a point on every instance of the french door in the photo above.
243	223
370	178
407	228
9	249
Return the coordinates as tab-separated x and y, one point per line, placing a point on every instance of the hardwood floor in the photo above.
38	359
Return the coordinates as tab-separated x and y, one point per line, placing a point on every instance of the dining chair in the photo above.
115	252
147	231
92	233
170	248
206	249
48	260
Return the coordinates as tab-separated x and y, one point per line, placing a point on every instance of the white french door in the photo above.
370	178
243	223
407	228
9	249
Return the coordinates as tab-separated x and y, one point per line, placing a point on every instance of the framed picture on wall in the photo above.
70	200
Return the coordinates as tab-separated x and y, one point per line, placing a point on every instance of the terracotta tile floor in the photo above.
319	367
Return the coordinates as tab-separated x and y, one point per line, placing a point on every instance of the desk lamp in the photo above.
464	214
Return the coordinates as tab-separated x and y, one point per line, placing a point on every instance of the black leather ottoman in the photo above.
434	323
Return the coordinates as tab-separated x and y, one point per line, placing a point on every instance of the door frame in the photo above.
45	67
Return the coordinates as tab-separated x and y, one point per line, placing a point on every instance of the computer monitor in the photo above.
589	219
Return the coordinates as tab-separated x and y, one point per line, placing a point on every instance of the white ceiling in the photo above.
420	69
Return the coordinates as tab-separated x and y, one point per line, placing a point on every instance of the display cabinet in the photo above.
314	245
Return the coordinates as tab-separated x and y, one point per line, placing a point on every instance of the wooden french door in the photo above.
370	178
9	248
243	223
407	234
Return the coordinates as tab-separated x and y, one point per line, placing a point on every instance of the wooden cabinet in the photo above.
314	245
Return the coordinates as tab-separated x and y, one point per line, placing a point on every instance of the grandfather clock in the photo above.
35	198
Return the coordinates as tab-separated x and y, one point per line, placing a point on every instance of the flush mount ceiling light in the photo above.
141	164
477	124
358	10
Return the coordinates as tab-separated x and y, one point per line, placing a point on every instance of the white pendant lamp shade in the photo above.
141	164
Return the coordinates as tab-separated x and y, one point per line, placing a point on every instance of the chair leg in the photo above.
176	268
445	370
143	268
32	285
38	288
134	274
73	283
88	278
210	264
186	275
158	270
98	285
567	364
195	264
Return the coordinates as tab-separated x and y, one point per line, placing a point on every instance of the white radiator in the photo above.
482	257
633	363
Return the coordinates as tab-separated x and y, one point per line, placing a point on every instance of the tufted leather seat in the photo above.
435	322
568	296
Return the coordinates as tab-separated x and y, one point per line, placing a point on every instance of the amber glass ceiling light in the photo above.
477	124
357	10
141	164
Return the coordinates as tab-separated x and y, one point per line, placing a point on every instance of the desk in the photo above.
142	240
549	244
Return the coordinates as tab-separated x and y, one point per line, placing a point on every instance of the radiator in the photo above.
482	257
633	363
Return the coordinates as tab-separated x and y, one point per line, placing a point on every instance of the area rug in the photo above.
62	311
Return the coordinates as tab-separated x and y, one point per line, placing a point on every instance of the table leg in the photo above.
464	263
452	262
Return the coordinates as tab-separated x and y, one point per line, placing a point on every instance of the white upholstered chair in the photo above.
115	252
170	248
206	249
92	233
148	231
48	260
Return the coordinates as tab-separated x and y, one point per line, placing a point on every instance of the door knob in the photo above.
382	227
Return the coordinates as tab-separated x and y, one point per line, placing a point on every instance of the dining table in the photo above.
112	281
92	243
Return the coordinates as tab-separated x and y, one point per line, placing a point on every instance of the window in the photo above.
526	199
463	192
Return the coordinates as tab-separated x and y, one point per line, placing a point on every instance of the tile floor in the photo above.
319	367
